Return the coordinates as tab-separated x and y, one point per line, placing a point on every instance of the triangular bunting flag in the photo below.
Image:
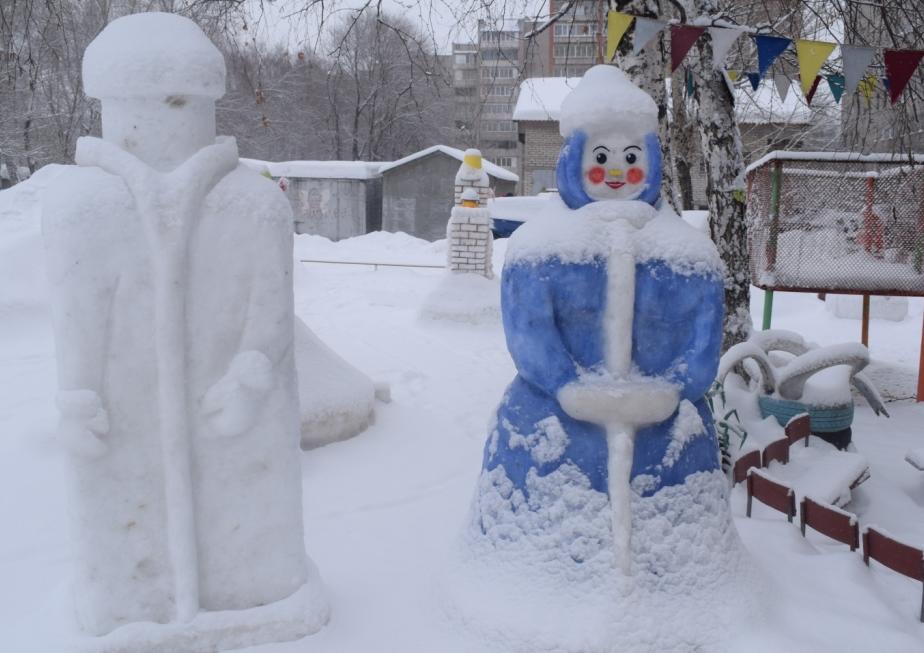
645	30
682	39
754	78
616	25
768	49
856	60
783	84
900	66
722	40
811	54
867	85
733	74
836	84
886	84
812	89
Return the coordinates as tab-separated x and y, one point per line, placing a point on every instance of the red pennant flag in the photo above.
900	66
811	93
682	39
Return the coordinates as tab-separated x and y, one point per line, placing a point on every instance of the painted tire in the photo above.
825	419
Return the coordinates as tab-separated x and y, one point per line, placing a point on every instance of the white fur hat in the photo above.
606	99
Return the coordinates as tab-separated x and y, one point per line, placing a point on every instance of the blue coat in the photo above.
553	314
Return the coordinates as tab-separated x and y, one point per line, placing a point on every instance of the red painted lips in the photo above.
615	185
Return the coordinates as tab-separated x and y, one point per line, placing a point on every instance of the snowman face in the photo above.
614	166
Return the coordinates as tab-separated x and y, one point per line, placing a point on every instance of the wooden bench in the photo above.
836	524
897	556
769	492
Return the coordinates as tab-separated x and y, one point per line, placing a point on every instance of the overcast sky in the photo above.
282	21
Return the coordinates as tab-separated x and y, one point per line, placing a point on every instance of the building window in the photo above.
493	107
464	91
464	59
499	54
499	72
500	90
497	125
504	161
574	50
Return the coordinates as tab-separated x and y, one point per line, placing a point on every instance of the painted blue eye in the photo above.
601	158
631	158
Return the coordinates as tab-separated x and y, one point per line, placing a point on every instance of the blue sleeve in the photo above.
699	364
533	338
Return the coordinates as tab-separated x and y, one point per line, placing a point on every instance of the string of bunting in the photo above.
900	65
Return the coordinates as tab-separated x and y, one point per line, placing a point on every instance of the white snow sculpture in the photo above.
170	266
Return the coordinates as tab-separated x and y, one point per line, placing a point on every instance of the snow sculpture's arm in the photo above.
696	369
232	404
82	294
532	336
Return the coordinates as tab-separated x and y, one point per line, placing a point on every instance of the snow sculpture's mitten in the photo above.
83	420
233	403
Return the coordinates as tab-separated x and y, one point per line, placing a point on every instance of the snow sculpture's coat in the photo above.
613	317
171	266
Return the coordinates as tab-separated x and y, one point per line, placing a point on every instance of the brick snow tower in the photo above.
469	229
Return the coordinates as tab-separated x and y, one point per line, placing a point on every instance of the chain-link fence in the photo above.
823	222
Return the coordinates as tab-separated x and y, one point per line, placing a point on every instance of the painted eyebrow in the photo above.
602	147
631	146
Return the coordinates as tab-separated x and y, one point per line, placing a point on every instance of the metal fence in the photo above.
837	222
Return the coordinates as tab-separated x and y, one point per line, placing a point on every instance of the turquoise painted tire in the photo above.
825	419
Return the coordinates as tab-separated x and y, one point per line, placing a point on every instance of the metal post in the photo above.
920	396
864	327
768	309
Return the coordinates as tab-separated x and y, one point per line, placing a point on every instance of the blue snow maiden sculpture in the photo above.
612	311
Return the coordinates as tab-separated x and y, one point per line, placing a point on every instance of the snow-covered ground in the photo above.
382	510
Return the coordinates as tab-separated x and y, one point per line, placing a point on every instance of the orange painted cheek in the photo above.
635	175
596	175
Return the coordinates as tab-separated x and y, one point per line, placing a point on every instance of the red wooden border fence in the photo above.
833	523
895	555
799	427
743	464
777	450
776	495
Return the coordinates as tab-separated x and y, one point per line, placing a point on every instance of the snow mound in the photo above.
463	297
24	283
337	400
692	587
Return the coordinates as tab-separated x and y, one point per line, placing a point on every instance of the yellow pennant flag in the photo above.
867	85
733	74
812	54
617	24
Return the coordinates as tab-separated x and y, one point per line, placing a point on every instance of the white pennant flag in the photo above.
722	40
645	30
856	60
783	84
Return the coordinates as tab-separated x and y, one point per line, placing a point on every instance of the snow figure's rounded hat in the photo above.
606	102
153	55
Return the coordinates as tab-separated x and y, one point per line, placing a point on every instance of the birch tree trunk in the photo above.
721	145
648	70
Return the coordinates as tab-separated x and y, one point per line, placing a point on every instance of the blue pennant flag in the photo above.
768	49
836	84
754	78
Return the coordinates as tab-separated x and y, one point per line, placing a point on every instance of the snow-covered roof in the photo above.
540	98
491	168
317	169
